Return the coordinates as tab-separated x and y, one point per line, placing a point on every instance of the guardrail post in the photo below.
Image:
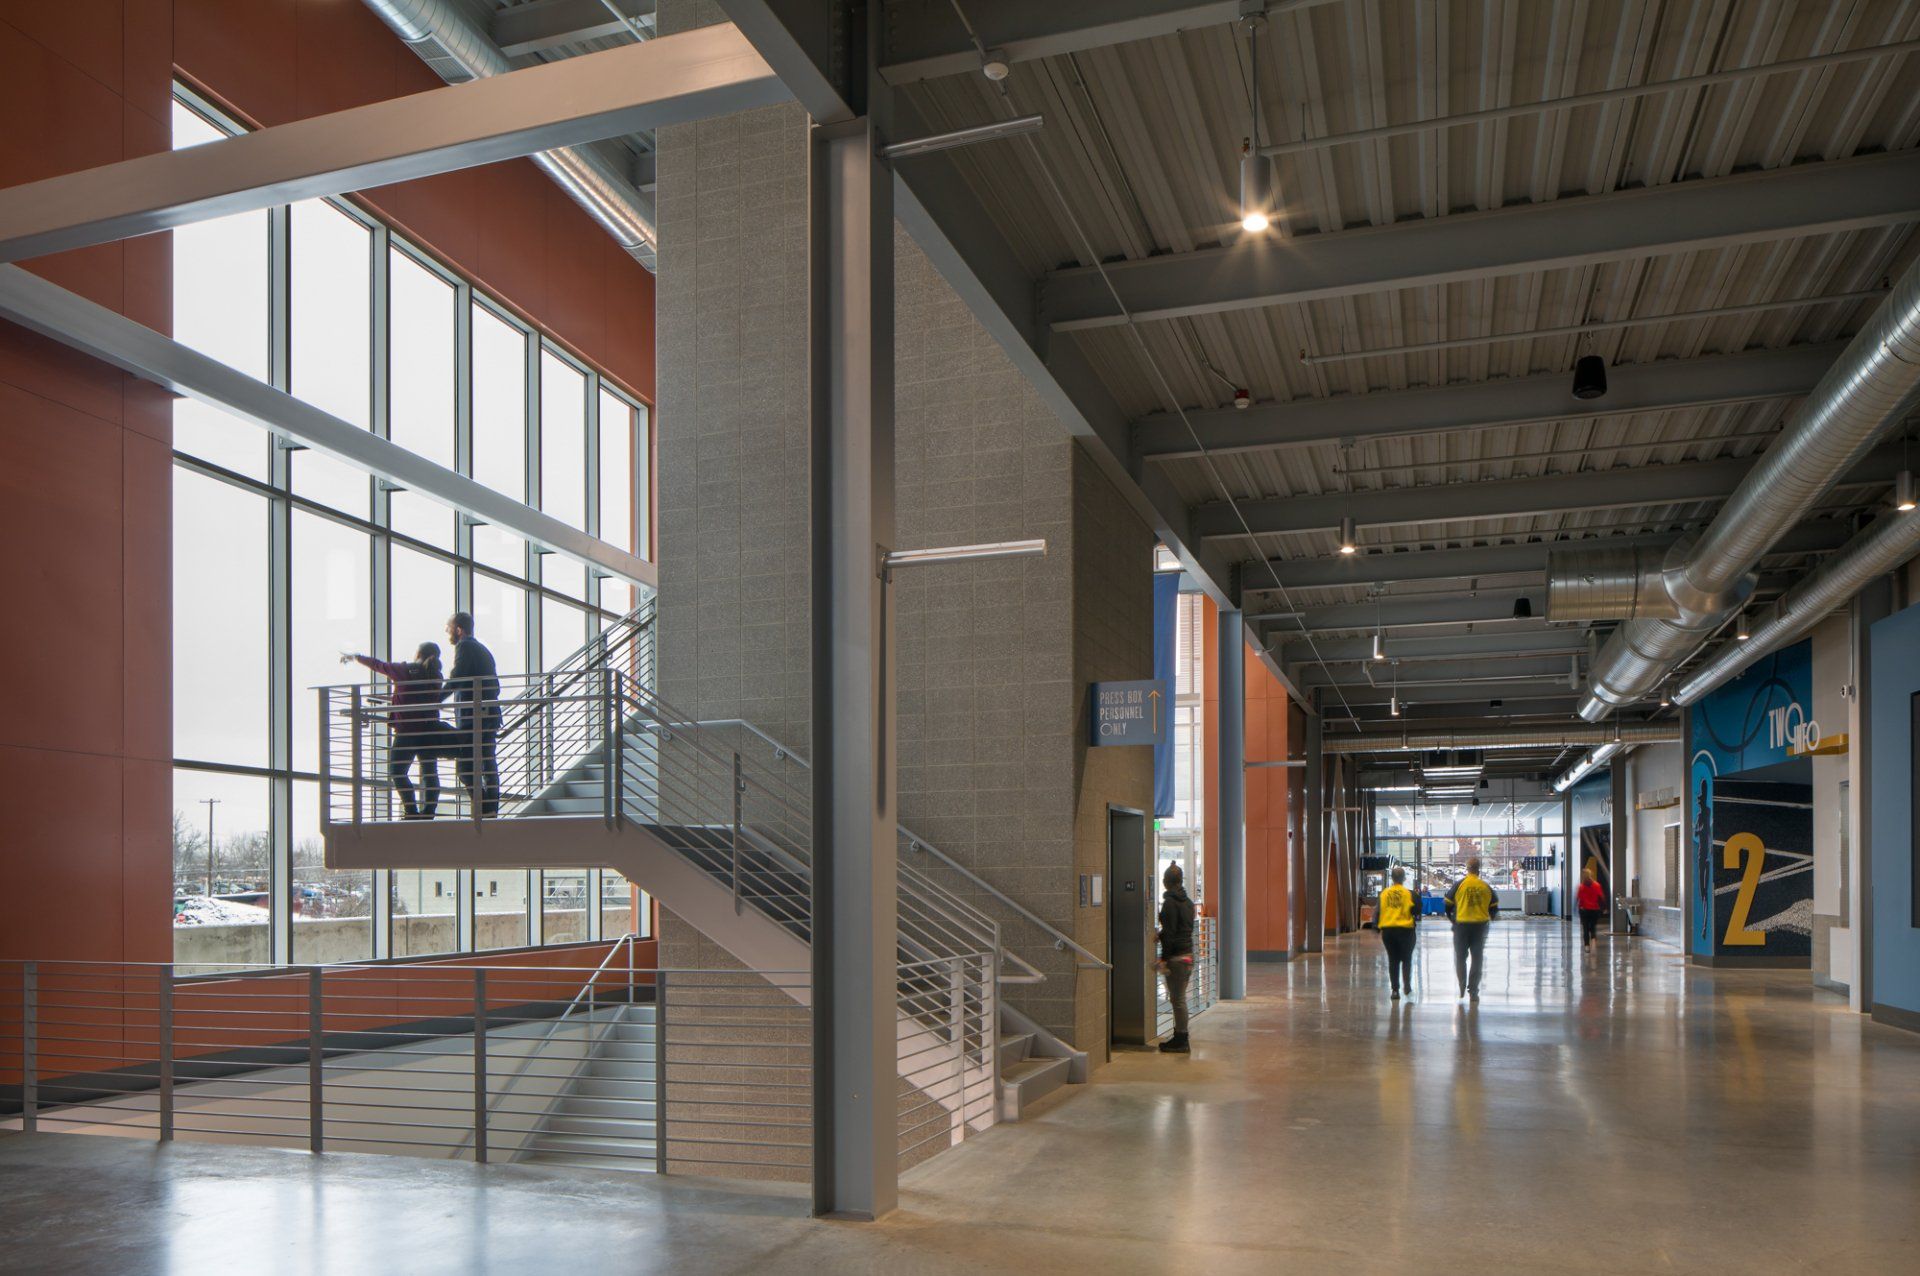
326	756
316	1016
739	788
29	1052
957	1009
166	1052
659	1072
357	732
480	1067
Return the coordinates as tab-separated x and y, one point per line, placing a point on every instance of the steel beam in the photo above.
927	40
1408	566
32	302
1452	608
1431	673
1711	381
1231	774
546	24
712	71
1511	690
1623	488
1717	212
855	828
1413	651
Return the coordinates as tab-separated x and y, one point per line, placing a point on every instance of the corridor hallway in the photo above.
1618	1112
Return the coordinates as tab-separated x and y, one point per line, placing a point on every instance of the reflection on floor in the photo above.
1614	1112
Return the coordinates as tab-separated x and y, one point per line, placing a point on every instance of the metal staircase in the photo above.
712	818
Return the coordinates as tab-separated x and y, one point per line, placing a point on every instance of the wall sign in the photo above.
1130	712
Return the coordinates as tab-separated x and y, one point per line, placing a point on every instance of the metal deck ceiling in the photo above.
1142	141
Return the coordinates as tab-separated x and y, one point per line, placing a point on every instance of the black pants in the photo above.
1469	942
1399	944
480	776
1589	923
428	747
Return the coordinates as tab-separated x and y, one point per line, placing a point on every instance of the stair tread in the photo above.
1028	1068
592	1143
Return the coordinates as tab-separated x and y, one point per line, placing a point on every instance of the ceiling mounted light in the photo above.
1393	704
1589	377
1256	189
1903	491
1242	400
1348	542
994	65
1379	645
1741	631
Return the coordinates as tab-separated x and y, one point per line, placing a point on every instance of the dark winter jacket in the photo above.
1176	923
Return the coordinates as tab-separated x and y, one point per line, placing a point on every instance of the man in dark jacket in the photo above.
1176	952
473	684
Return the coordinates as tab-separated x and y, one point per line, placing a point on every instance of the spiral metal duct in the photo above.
453	43
1571	736
1872	386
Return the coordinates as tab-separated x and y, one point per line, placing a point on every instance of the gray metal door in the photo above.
1130	919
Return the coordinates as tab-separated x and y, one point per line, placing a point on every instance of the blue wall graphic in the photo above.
1754	721
1891	752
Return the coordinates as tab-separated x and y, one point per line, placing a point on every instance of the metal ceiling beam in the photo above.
545	24
1624	488
1409	566
1517	689
1513	712
1644	387
712	71
52	311
1410	651
1805	199
945	218
1453	608
927	40
1437	672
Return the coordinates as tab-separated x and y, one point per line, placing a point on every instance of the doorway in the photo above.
1129	928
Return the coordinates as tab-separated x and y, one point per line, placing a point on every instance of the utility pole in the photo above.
210	803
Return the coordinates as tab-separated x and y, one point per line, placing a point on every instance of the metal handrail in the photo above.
1061	940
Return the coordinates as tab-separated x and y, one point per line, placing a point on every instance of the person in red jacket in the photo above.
418	732
1592	899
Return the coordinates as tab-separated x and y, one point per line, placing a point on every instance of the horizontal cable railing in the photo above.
1203	989
616	1065
948	1051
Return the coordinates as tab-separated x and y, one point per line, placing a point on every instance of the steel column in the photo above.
854	821
1231	775
1617	842
1313	883
1567	855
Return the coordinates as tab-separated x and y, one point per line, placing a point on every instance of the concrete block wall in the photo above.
993	658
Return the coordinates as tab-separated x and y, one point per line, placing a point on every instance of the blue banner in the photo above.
1166	615
1742	842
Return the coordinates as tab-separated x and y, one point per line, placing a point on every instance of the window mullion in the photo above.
280	604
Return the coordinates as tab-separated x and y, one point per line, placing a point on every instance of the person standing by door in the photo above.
474	686
1176	952
1592	899
1397	916
1470	905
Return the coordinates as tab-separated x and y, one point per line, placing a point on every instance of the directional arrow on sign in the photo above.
1155	697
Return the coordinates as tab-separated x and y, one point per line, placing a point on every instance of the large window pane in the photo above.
499	404
502	551
499	908
422	377
623	907
563	906
500	621
616	471
332	910
422	597
220	621
563	440
425	912
221	900
332	613
563	575
331	281
563	631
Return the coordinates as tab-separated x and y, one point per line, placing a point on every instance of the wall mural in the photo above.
1751	875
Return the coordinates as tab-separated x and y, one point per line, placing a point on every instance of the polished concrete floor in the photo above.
1614	1112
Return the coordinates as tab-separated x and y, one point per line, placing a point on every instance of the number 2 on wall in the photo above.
1755	852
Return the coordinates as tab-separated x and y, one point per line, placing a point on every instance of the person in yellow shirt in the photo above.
1471	905
1397	913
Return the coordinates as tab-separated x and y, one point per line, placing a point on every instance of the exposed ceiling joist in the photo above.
1462	693
1452	608
1410	650
1804	199
1437	672
1624	488
1710	381
546	24
1470	563
925	41
712	71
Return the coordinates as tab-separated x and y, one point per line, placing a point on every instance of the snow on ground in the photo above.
204	910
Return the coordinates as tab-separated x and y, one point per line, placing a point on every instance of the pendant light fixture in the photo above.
1348	542
1589	372
1256	170
1379	645
1741	631
1903	491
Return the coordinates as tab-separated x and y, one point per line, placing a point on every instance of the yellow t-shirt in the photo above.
1472	900
1396	907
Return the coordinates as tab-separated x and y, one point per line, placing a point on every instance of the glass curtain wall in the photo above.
284	560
